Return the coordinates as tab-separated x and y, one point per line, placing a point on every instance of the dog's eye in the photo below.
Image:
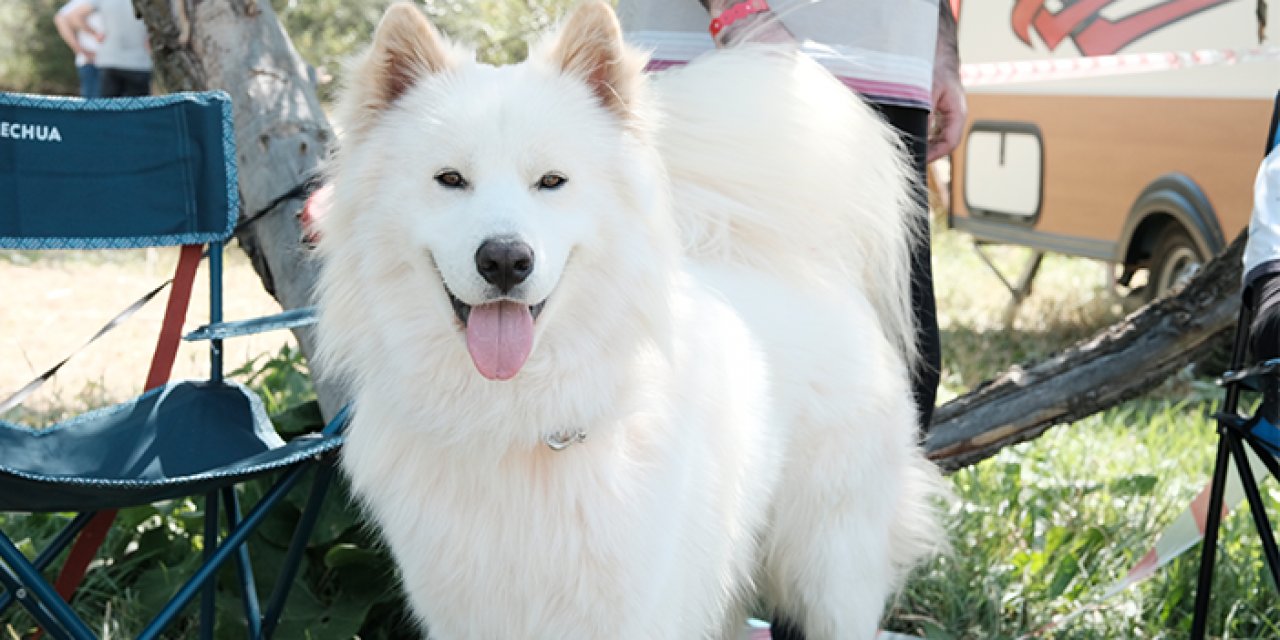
552	181
451	179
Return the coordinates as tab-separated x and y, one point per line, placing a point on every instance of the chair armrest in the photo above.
1252	377
338	425
234	329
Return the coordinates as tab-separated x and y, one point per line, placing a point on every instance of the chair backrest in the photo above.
120	173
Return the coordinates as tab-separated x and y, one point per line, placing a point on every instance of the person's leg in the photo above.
136	83
88	80
913	126
1264	331
1264	337
109	82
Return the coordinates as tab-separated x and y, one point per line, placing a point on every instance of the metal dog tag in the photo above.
561	440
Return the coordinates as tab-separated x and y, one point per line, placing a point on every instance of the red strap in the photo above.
82	553
175	314
735	13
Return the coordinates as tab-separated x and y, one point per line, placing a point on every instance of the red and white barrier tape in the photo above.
1048	69
1183	533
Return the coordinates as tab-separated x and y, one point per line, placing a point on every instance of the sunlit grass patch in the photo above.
1043	529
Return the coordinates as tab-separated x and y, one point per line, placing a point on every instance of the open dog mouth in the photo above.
463	310
499	334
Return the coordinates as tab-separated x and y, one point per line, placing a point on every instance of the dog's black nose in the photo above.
504	262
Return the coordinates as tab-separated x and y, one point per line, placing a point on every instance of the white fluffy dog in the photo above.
627	353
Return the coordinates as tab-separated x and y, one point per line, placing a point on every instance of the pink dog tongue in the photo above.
499	338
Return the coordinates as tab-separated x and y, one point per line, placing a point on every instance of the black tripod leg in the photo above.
1209	548
1257	509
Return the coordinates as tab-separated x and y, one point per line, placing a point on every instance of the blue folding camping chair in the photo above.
146	172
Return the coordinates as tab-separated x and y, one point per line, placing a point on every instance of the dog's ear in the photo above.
590	46
406	48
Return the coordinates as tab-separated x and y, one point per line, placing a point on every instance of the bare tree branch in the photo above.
1119	363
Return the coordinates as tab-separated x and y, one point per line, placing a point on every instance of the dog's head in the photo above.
494	185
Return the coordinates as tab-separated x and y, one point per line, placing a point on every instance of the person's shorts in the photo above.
123	83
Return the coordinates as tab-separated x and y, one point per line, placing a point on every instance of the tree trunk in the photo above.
281	131
281	135
1119	363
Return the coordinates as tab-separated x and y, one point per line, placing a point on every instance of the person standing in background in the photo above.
124	55
900	55
83	42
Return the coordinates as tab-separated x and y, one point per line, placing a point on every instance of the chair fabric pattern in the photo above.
115	178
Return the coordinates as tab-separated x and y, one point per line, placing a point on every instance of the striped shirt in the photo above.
882	49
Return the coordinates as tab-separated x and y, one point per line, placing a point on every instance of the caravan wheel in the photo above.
1175	260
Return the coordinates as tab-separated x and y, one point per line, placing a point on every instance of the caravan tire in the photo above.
1175	260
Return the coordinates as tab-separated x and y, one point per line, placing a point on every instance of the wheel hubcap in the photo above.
1183	264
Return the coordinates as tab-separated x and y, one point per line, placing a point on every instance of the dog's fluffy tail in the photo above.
776	165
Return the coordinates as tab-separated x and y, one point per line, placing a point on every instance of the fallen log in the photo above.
1118	363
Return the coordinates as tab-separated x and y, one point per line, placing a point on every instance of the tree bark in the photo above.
1119	363
281	135
281	131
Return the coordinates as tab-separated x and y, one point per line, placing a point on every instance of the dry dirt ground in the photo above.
52	303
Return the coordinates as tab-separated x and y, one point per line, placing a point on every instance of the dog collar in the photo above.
561	440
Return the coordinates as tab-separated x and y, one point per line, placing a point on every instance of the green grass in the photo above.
1042	530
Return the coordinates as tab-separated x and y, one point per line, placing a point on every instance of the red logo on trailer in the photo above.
1093	33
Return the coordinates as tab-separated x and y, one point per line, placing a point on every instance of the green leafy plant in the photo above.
346	586
33	57
327	32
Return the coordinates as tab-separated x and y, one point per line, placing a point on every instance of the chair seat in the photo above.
182	439
1268	435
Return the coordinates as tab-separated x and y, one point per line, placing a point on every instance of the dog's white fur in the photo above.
725	275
